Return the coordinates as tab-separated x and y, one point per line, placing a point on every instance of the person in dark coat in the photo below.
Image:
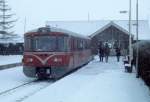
106	51
118	53
101	52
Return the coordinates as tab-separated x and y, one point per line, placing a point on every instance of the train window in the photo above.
62	44
80	45
72	47
44	43
47	43
84	44
28	44
75	44
87	45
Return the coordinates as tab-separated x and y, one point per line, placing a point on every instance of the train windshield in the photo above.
46	43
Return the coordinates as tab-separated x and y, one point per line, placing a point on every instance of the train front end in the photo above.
45	54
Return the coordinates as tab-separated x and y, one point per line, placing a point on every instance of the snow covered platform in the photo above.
10	59
96	82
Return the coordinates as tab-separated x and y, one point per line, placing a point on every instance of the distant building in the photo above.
114	32
11	46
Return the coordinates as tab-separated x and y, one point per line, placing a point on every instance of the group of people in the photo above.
104	51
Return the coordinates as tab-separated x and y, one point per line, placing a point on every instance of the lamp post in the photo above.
130	37
25	24
137	33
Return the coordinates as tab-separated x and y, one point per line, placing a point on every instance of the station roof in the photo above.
91	28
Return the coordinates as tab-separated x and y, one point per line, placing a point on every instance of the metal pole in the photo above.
25	24
88	16
130	42
137	45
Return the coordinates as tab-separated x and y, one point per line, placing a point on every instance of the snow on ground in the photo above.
10	59
11	78
96	82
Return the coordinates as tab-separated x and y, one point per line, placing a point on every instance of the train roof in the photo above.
55	29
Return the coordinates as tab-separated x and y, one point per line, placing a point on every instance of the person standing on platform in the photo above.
101	52
118	53
106	52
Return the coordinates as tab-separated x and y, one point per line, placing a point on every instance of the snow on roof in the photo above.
90	28
55	29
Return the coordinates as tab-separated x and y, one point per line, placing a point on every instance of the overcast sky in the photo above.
37	12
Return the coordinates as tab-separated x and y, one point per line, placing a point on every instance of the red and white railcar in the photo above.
52	52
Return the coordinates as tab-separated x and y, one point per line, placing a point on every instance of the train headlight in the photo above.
29	60
57	59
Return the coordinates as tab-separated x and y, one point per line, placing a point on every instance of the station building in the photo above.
11	45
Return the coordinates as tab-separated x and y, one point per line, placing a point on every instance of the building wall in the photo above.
114	37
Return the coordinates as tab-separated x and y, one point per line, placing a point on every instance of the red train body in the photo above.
53	52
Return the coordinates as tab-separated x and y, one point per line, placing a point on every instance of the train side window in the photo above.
71	44
63	44
67	44
28	46
84	44
80	44
75	44
87	45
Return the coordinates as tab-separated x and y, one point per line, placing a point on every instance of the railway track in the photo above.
22	92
